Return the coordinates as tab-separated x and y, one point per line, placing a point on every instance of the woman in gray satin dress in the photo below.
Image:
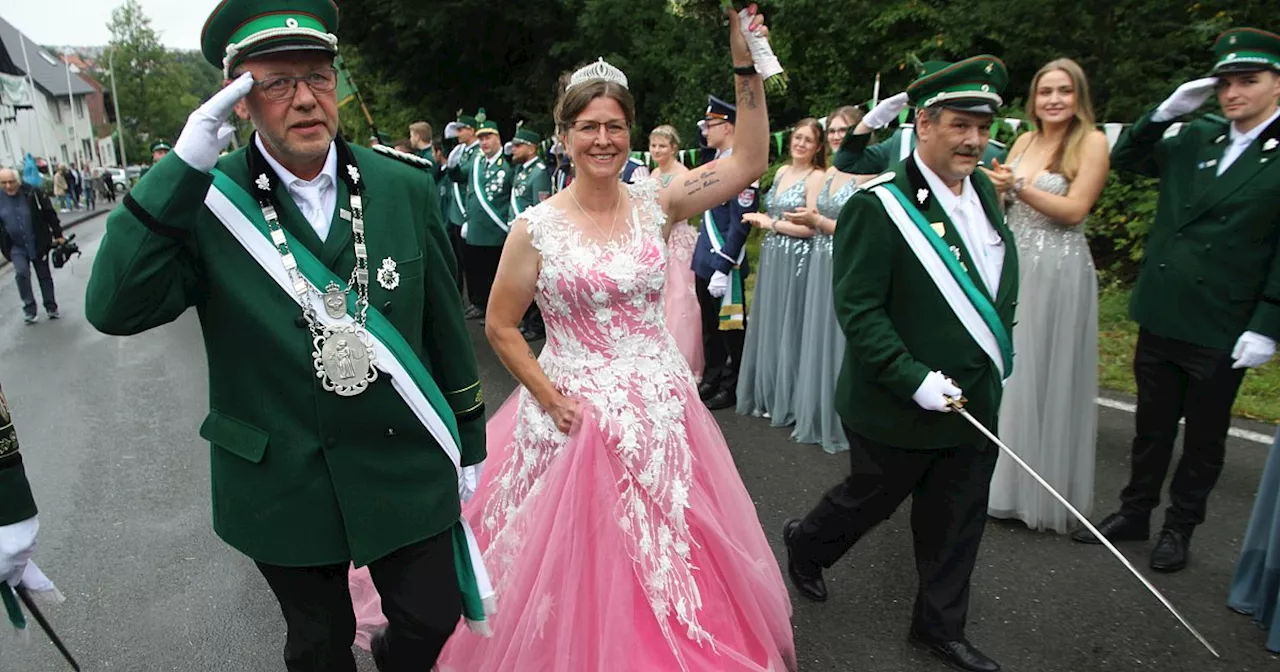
775	323
822	343
1049	414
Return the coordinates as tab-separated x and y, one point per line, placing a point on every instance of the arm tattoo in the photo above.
694	185
746	93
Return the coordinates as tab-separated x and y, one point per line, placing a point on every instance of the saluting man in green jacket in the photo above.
345	407
463	129
925	285
488	179
1208	295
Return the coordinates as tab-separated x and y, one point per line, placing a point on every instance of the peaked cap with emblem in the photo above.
526	136
484	124
161	146
240	29
469	120
971	85
1246	50
718	109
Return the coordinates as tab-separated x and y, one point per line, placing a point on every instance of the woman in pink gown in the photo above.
614	524
684	316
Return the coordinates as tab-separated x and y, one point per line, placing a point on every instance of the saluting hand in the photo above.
207	131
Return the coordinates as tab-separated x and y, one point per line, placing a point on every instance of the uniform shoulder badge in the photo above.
747	198
390	152
878	180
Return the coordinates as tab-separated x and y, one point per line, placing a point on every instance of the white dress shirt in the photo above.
965	211
1240	142
316	198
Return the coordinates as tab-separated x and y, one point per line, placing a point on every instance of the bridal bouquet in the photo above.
775	80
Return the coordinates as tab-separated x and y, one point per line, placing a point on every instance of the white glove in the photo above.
17	544
933	392
1186	99
207	131
469	482
508	149
718	284
451	130
464	230
1252	350
886	111
455	156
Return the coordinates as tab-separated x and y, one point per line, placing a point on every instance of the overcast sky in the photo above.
84	22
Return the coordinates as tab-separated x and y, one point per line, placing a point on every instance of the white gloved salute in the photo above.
886	111
1252	350
455	156
718	285
207	131
17	544
451	130
1186	99
935	391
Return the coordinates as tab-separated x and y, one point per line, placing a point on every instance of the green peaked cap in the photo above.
971	85
239	29
1246	50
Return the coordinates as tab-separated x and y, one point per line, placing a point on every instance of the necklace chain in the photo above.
613	226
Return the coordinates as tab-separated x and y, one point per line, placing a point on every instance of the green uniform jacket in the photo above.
899	327
489	222
301	476
455	179
532	185
1210	270
855	157
16	502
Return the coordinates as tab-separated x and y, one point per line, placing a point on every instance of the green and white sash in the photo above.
478	187
242	216
459	196
970	305
732	309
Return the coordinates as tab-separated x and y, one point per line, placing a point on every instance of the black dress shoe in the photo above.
707	390
721	400
806	575
1170	554
1116	527
378	647
472	313
957	653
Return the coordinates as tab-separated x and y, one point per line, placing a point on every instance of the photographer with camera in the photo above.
29	228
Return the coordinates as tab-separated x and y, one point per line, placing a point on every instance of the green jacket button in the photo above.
1208	246
1178	235
1200	281
1162	267
386	308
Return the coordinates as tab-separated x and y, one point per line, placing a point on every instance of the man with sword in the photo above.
925	291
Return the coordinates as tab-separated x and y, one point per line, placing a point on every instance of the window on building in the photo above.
55	110
80	107
48	58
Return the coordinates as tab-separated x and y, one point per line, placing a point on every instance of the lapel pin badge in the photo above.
922	196
388	276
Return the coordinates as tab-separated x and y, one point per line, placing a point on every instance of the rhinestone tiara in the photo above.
598	70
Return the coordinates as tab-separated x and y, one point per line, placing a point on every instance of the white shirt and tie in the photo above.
316	198
985	246
1241	141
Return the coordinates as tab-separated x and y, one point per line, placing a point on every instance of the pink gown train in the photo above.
684	316
631	544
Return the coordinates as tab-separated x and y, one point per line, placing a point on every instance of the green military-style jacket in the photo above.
1210	270
855	157
301	476
16	502
899	327
531	186
489	200
454	179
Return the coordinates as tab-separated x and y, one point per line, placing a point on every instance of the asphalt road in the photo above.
108	428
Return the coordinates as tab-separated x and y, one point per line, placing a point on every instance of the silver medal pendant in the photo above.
335	301
344	360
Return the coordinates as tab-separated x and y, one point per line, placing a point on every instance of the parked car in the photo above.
118	179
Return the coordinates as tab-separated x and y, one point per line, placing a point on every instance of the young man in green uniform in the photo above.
457	165
531	186
345	408
925	288
488	178
1208	295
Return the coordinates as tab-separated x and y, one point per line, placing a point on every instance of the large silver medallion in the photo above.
344	359
335	301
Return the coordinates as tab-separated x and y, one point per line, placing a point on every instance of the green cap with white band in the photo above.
971	85
240	29
1246	50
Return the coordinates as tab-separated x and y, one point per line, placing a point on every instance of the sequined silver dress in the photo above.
822	343
1049	414
775	319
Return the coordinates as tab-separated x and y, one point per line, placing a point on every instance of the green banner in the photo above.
346	86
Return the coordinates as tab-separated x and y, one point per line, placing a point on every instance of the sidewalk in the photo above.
71	219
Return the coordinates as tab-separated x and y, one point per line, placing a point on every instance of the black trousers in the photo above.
420	598
948	489
722	350
481	266
458	245
1177	379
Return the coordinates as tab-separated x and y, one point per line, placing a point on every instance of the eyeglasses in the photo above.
837	130
616	128
283	88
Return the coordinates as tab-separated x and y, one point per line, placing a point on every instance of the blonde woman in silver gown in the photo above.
1048	416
